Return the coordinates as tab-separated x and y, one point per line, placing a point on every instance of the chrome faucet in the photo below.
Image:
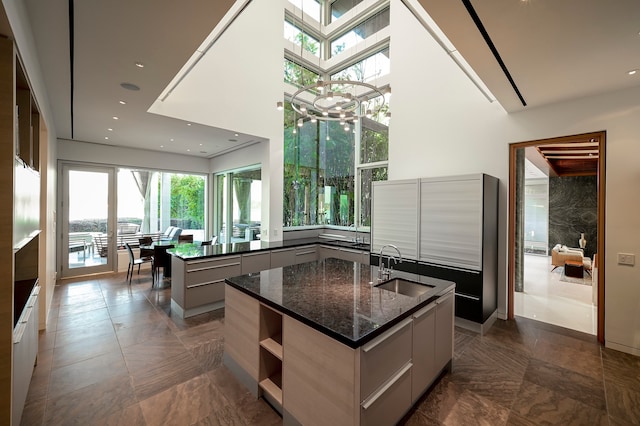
355	228
385	272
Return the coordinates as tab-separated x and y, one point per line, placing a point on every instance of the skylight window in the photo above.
310	7
360	32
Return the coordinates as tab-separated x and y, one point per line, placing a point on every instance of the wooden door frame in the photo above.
601	136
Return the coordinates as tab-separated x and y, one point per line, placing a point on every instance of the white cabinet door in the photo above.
451	221
395	216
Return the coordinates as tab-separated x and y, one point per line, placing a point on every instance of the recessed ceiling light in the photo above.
106	137
188	150
161	146
115	118
130	86
122	102
171	139
632	72
110	129
236	135
200	144
188	124
139	65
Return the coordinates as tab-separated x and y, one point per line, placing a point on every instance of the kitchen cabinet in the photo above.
293	256
352	255
378	367
454	236
197	286
283	257
394	218
256	262
459	242
423	355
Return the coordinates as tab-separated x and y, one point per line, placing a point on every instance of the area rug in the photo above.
586	280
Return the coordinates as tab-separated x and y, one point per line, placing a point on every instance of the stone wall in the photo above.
573	209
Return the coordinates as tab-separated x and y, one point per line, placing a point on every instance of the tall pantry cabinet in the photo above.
446	227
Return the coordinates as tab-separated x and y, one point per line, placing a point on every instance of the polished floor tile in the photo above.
115	354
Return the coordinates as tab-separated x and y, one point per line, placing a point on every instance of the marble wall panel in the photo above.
573	209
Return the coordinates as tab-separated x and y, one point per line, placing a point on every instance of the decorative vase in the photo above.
582	241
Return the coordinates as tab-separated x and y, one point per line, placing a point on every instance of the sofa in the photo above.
560	254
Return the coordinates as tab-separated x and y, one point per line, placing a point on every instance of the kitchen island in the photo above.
324	344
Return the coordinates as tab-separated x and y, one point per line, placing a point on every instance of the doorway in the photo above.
87	210
577	158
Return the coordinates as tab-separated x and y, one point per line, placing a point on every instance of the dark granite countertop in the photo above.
193	251
336	297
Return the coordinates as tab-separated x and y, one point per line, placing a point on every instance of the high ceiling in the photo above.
552	50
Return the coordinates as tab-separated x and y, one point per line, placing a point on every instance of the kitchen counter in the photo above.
338	298
196	251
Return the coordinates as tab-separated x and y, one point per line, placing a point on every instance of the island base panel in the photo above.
186	313
241	374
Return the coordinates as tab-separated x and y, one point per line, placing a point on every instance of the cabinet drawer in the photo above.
306	254
204	294
256	262
468	307
391	402
383	356
203	271
354	256
285	257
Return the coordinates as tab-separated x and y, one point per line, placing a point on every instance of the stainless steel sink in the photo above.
407	288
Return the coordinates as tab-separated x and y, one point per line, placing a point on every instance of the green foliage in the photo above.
187	199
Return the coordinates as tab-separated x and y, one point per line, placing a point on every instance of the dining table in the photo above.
148	250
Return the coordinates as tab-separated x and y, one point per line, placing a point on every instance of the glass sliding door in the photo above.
87	208
238	205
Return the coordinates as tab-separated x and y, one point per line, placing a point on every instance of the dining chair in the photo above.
145	241
161	259
210	242
133	262
185	238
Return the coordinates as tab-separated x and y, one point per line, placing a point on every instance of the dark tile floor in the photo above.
114	354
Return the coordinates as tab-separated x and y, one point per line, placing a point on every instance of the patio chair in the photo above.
185	238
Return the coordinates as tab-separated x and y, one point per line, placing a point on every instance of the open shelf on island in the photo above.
272	386
273	345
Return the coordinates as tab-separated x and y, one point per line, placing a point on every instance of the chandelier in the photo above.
345	101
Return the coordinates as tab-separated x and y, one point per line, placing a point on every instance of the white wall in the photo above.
242	71
442	125
129	157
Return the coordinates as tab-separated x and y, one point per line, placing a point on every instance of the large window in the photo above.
340	7
298	75
329	167
149	201
239	203
360	32
367	69
299	37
